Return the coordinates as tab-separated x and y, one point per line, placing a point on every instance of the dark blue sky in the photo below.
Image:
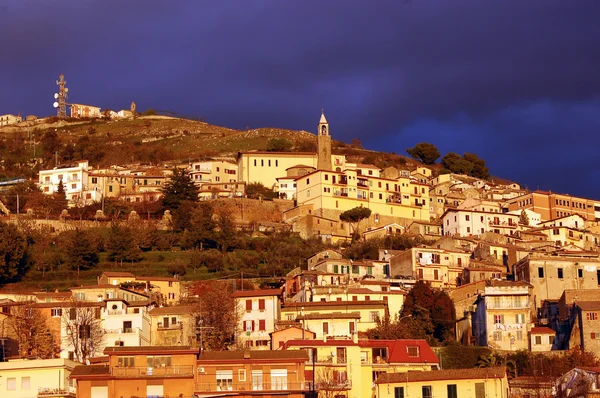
515	81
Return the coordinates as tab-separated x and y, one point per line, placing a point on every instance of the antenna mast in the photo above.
61	97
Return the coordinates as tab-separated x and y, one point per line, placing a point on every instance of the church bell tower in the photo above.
323	145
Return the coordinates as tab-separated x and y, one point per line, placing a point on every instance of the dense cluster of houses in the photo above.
522	269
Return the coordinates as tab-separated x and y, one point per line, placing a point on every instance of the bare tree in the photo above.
31	331
329	382
82	330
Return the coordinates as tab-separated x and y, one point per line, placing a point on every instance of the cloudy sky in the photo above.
515	81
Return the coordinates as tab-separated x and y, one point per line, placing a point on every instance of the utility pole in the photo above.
18	204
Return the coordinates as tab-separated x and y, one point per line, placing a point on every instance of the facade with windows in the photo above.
552	274
554	205
258	309
450	383
350	367
457	222
541	339
75	180
175	325
439	267
139	371
37	378
503	315
5	120
251	373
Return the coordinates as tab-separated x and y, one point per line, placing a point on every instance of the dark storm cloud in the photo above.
473	74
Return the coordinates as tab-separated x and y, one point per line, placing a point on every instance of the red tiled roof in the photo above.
118	274
542	330
292	355
156	278
446	374
257	293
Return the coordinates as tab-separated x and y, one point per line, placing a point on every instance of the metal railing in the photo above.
253	386
163	371
123	331
507	305
176	325
60	392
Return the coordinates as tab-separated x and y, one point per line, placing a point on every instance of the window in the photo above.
224	380
451	388
325	327
278	379
398	392
519	335
479	390
11	383
262	325
248	326
158	361
498	319
257	380
413	351
248	305
550	339
171	296
592	316
538	340
426	392
25	383
351	327
497	336
519	318
560	273
373	316
56	312
540	272
242	374
126	362
580	273
261	304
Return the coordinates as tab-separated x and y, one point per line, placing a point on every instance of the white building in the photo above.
534	218
259	310
126	324
574	221
37	378
80	110
457	222
286	188
75	180
5	120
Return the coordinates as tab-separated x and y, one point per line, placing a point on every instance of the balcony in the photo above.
57	392
508	305
253	386
122	331
169	326
333	385
163	371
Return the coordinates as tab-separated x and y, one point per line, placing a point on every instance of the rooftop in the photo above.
292	355
446	374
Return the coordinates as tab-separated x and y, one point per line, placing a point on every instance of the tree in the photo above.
227	233
79	251
425	152
121	245
31	332
457	164
524	218
355	216
479	169
219	315
199	230
279	145
51	143
177	189
256	190
84	333
14	254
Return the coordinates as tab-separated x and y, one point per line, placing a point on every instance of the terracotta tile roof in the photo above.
331	315
589	305
177	349
343	304
257	293
90	370
179	309
292	355
542	330
446	374
503	283
156	278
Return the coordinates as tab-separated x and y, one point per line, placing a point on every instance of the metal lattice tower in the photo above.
62	97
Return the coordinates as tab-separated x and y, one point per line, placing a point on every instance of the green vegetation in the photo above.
354	217
425	152
279	145
469	164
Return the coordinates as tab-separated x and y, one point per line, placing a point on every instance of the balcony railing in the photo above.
163	371
56	392
333	385
122	331
253	386
170	326
507	305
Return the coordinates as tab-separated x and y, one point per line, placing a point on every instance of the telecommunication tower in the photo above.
61	97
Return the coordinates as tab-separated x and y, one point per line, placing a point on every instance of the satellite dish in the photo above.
55	95
55	105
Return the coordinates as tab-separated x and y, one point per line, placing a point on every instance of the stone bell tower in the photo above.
323	145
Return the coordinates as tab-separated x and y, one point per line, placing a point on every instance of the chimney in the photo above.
355	337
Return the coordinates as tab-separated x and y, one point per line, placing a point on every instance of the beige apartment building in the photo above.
441	268
551	274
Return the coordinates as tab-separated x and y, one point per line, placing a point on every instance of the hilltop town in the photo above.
157	256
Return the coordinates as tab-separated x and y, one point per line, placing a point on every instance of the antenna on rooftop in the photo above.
61	97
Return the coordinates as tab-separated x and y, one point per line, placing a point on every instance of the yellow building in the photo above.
349	368
37	378
265	167
174	325
391	200
450	383
169	288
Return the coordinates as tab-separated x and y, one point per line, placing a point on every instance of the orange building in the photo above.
252	373
554	205
139	372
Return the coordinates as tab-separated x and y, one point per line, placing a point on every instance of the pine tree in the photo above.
524	218
178	189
